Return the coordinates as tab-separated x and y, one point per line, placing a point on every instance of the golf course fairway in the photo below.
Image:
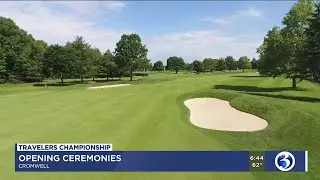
150	115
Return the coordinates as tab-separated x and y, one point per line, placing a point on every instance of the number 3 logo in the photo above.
284	161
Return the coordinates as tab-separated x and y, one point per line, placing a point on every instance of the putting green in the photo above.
150	115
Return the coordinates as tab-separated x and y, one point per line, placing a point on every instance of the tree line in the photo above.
176	64
293	51
23	58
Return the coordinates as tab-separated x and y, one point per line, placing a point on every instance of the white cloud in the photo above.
237	17
89	7
220	21
61	21
252	12
202	44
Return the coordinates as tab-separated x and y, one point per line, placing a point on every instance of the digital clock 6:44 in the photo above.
254	158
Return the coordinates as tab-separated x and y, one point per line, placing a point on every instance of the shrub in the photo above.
140	74
101	76
127	74
31	79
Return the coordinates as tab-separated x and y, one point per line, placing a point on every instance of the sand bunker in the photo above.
109	86
211	113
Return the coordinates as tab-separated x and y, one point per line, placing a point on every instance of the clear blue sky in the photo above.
159	17
190	29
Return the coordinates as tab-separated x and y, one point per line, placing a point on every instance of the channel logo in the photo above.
284	161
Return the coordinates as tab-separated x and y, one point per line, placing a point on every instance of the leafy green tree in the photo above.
142	64
189	67
230	63
249	65
108	66
107	57
2	69
221	65
20	54
175	63
57	63
209	64
80	57
150	67
244	63
40	50
96	65
128	51
270	53
169	65
36	58
295	39
198	66
235	65
254	63
312	53
281	51
112	70
215	64
158	66
15	48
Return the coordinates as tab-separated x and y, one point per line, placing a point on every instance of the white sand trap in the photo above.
109	86
217	114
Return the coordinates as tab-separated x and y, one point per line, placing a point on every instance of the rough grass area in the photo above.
151	116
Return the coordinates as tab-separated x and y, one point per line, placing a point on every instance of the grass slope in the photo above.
150	115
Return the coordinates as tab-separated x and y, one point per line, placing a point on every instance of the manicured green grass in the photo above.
150	115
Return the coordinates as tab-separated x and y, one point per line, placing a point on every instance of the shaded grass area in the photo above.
257	89
98	82
295	98
242	76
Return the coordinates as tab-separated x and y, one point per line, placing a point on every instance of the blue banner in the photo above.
101	157
132	161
